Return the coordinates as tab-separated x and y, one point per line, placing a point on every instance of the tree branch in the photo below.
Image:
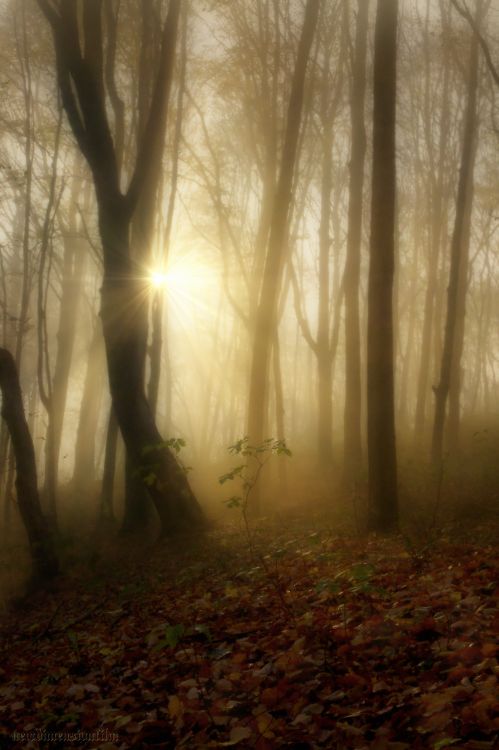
464	12
155	125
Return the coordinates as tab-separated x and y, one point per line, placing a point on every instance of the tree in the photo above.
80	64
438	145
45	565
382	459
54	386
456	292
352	422
463	10
86	431
266	313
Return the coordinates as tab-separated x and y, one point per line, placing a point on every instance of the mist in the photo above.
249	272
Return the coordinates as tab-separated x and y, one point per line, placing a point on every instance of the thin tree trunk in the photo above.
324	363
352	459
383	500
456	381
157	317
73	263
458	252
28	165
84	464
106	505
266	315
437	214
280	413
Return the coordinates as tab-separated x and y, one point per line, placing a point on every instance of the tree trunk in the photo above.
324	358
279	413
78	41
84	465
352	460
44	560
454	418
437	210
73	262
124	319
449	366
383	500
157	309
266	314
106	505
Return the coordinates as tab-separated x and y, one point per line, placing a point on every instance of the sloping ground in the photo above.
320	641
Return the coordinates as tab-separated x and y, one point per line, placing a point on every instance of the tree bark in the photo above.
437	211
84	464
266	314
458	268
124	312
382	459
352	459
44	560
73	263
107	491
323	349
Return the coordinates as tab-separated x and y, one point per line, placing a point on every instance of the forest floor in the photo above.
300	637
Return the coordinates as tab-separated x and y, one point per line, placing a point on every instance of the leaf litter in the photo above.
309	640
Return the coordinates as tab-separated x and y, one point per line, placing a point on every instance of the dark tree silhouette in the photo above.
352	421
383	500
44	560
80	62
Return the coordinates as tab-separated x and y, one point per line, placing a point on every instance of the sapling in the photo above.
249	474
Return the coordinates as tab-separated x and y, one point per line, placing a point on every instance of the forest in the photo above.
249	374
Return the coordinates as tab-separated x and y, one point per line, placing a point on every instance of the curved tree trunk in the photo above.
124	318
44	560
80	52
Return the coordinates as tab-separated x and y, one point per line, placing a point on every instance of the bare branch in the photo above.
155	125
464	12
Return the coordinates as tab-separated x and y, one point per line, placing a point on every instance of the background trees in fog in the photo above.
192	188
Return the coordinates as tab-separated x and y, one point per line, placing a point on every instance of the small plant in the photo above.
249	472
172	636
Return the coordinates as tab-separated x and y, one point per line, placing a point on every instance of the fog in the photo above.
249	374
245	232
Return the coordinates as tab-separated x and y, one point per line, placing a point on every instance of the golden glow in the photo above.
159	280
186	281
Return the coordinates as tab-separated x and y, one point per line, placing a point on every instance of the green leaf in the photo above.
173	634
234	502
236	472
446	742
362	572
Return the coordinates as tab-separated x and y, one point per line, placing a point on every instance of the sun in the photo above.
158	279
187	284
